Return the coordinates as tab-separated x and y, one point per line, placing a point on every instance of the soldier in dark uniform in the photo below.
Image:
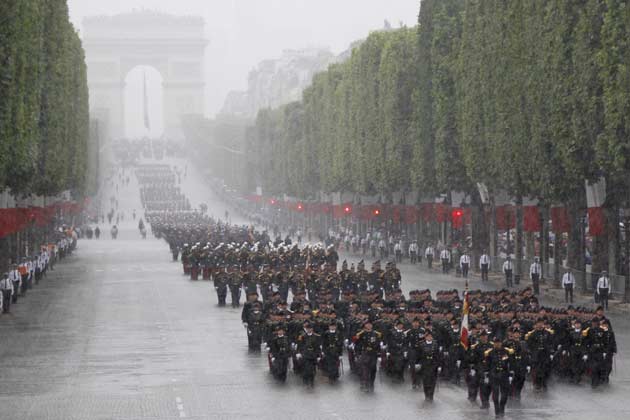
332	348
578	353
254	326
280	351
610	347
235	281
540	344
396	350
309	352
221	279
367	344
431	364
475	362
499	370
520	361
415	338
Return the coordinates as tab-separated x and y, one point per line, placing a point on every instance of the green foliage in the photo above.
44	122
527	96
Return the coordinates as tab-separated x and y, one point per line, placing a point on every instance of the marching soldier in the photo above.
308	353
221	279
431	365
235	282
520	362
500	372
367	344
396	352
475	363
332	348
280	351
540	343
415	338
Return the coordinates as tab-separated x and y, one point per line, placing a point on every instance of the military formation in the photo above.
312	314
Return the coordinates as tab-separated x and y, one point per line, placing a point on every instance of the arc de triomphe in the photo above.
173	45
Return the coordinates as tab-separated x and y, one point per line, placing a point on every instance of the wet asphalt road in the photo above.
117	332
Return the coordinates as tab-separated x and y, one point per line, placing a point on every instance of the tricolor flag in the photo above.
463	339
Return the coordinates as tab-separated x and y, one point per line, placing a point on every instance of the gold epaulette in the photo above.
585	332
550	331
474	346
529	334
487	352
509	350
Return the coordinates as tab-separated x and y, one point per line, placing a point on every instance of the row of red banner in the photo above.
440	213
14	220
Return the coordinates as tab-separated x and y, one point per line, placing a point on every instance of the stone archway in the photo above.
173	45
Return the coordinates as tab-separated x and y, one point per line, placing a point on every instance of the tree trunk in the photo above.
519	236
479	228
575	243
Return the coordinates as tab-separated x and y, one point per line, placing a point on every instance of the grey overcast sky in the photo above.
241	33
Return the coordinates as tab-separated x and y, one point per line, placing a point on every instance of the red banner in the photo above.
560	220
427	212
596	221
411	215
395	212
506	218
531	219
441	212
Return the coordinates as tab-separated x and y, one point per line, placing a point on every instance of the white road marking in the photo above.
178	400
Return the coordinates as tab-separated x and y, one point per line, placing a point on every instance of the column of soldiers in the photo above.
365	315
306	313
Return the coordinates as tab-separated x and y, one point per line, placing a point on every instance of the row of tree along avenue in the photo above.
44	122
517	113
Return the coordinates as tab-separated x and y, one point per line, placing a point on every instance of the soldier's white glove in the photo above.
564	352
551	357
511	379
439	370
264	344
585	357
273	359
268	348
486	380
388	354
383	346
445	354
529	369
418	367
378	360
351	346
298	356
405	355
458	363
293	346
340	358
346	342
318	359
440	349
472	372
559	346
604	355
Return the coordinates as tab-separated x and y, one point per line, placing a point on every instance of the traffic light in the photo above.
376	212
347	209
457	218
300	207
272	202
